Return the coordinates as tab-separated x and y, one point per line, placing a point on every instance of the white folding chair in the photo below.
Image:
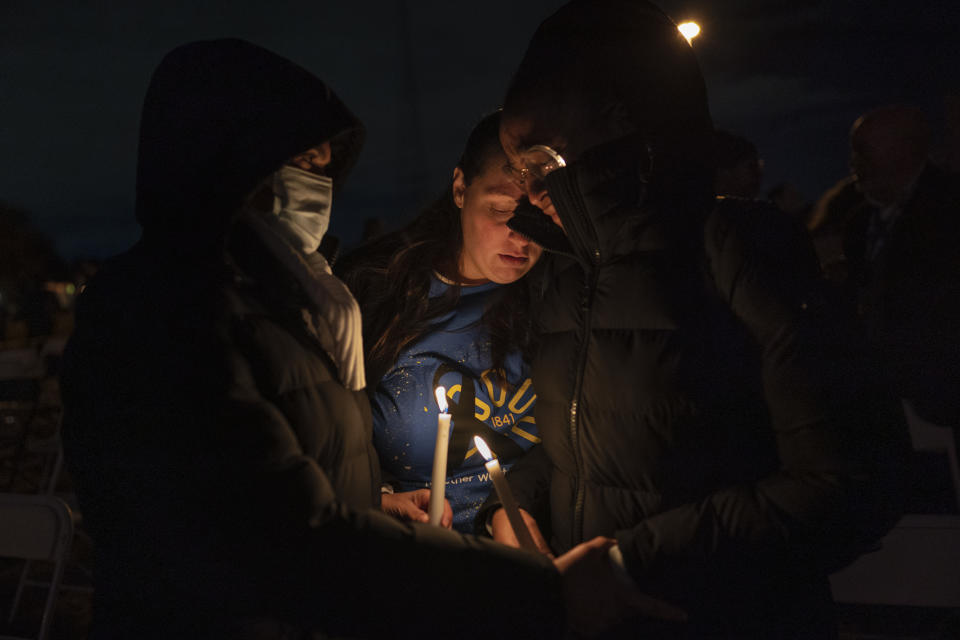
916	566
36	527
918	562
927	436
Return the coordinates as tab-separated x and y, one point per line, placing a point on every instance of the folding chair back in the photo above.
37	527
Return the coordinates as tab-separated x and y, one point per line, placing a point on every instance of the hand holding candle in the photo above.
438	479
506	496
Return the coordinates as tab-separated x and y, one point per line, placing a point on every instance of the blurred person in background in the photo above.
903	260
739	166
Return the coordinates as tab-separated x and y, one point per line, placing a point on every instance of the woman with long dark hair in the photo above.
444	304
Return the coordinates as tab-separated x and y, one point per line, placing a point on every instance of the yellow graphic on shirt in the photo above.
519	396
497	402
517	404
526	434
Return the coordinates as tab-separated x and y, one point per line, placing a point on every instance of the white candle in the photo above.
438	480
506	496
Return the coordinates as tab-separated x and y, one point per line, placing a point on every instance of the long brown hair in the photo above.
393	290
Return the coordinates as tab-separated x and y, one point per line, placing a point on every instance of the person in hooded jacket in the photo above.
698	397
214	418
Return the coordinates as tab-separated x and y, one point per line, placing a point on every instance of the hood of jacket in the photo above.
594	57
219	116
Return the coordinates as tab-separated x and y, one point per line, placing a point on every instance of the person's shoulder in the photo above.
142	281
739	231
940	180
747	221
939	192
365	270
370	256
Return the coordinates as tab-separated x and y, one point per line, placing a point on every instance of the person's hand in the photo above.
503	532
413	505
596	598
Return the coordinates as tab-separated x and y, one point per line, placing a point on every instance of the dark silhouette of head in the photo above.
218	117
598	70
739	168
888	151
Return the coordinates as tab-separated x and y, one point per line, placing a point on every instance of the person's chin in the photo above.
511	267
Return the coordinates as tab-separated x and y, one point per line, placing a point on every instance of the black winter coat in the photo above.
909	295
698	401
224	472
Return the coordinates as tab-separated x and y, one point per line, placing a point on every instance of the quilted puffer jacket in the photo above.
701	400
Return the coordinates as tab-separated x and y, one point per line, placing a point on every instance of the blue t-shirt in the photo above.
456	355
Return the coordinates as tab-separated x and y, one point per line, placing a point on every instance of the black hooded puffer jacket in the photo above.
698	396
224	472
699	400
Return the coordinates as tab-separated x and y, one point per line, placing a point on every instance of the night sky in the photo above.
790	75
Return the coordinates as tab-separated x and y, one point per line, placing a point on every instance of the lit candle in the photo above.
438	480
506	496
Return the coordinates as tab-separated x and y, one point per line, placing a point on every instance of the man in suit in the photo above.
903	260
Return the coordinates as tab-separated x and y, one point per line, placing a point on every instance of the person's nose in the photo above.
537	194
518	238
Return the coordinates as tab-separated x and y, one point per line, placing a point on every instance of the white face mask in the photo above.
302	201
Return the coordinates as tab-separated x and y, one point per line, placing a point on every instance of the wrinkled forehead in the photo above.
498	182
494	179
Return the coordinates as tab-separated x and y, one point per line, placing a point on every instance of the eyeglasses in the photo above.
538	161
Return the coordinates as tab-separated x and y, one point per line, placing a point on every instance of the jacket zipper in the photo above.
586	303
580	228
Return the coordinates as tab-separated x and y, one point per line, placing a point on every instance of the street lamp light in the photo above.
689	30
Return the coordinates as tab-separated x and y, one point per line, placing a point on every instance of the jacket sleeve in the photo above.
840	442
353	572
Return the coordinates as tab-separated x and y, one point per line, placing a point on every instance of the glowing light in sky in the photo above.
689	30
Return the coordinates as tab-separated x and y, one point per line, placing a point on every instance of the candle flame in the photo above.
689	30
441	394
483	448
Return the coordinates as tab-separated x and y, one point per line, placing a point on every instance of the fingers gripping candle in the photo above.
506	496
438	479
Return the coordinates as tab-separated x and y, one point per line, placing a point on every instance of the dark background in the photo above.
791	76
